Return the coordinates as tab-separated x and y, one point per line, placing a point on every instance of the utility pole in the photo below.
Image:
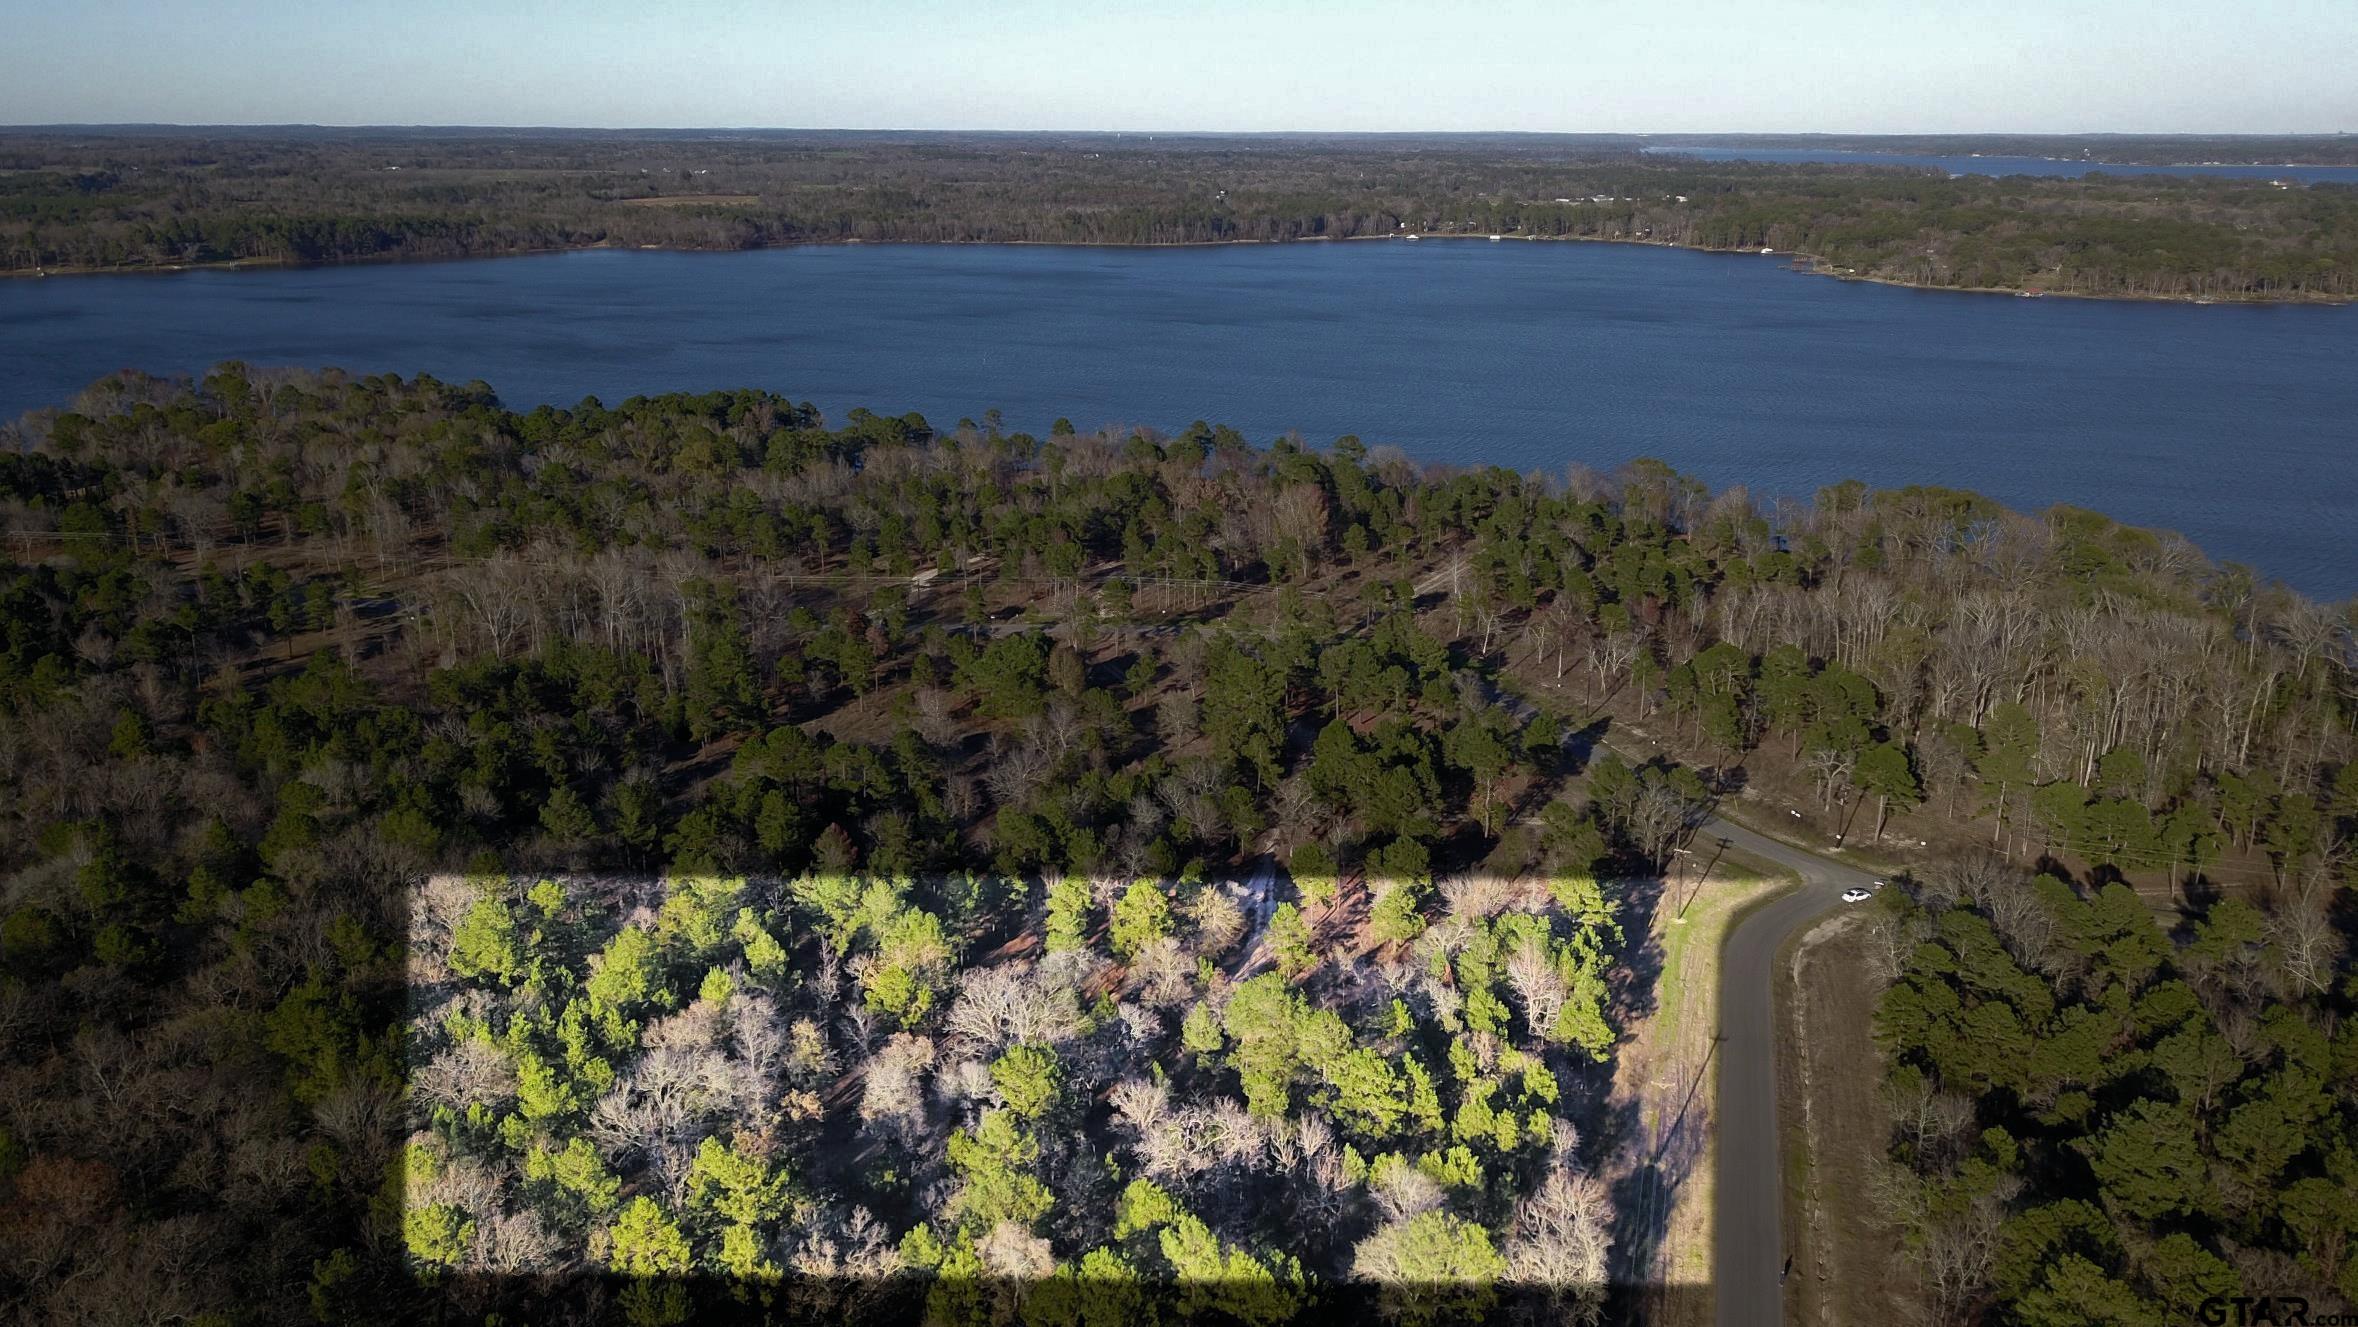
1705	874
1848	812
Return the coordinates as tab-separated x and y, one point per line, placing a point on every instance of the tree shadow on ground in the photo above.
1656	1163
1667	1153
1633	990
797	1301
1582	744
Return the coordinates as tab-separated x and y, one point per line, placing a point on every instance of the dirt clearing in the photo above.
1848	1265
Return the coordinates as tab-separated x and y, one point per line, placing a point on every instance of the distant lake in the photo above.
1969	164
2236	425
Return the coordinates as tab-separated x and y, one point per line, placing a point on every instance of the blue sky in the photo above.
2221	66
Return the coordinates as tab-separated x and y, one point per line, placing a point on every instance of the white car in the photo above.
1854	894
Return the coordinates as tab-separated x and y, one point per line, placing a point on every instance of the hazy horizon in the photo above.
2169	67
1179	131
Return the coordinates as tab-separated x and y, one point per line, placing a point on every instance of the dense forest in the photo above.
686	855
75	199
2098	1121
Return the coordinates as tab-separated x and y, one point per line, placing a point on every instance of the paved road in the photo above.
1750	1249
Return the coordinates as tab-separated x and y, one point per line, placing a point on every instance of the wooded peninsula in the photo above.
78	199
689	856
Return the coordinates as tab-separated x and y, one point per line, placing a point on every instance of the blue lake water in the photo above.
1967	164
2236	425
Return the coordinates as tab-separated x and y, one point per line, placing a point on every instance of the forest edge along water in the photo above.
171	199
2234	426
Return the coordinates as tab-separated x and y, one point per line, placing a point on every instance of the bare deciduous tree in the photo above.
2305	942
471	1071
1011	1003
892	1094
507	1243
1538	984
1561	1238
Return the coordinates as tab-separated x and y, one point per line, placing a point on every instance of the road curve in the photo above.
1749	1188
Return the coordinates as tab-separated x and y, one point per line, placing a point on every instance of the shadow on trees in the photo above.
795	1301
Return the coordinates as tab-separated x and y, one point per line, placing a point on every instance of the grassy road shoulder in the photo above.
1848	1264
1669	1074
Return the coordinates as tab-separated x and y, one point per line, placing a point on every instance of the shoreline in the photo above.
1692	148
1797	261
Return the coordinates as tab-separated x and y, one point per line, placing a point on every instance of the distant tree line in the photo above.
115	200
2126	151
